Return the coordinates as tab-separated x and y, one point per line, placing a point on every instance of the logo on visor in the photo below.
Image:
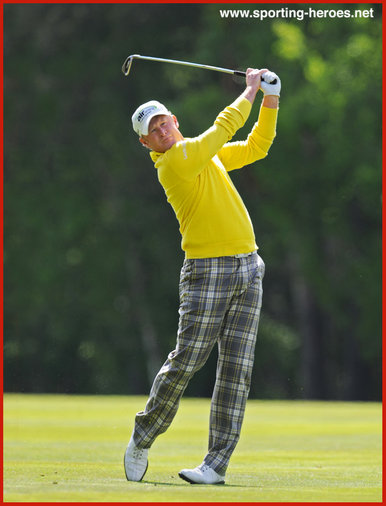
145	112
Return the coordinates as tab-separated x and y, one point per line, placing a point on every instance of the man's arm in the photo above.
235	155
188	157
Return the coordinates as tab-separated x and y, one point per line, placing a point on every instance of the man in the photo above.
221	277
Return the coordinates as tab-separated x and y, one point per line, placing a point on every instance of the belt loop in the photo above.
244	255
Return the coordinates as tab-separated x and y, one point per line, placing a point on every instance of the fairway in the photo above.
70	448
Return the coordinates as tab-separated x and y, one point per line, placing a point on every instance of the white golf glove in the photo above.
267	87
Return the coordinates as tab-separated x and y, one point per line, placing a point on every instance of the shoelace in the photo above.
205	467
138	453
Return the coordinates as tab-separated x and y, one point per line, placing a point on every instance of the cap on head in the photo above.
144	114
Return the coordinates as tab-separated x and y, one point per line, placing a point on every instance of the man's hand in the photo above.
271	84
254	83
253	78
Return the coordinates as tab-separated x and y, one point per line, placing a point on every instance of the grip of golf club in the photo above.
243	74
239	73
273	82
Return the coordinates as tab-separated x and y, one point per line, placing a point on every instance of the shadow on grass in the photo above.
162	484
195	485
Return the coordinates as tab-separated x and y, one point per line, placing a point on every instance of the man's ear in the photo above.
175	121
143	142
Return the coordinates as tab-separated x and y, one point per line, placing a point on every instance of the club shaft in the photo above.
188	64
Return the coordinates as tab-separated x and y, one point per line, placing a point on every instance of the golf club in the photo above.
129	60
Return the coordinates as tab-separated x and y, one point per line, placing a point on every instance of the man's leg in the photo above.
163	402
204	294
201	316
235	364
168	387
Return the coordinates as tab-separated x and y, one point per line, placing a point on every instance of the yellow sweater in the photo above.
194	174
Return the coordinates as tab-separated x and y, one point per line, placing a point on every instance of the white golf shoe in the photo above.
135	462
203	475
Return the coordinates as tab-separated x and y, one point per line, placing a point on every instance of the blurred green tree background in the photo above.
92	249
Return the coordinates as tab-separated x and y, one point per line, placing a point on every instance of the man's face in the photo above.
163	133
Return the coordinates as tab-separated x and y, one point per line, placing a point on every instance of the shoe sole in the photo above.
196	483
147	465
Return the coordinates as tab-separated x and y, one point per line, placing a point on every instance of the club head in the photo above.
127	64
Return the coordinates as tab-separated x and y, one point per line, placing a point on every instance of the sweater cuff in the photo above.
268	114
243	105
234	116
267	122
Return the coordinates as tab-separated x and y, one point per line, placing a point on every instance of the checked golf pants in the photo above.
220	301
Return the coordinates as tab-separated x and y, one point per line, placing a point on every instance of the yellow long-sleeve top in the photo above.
194	174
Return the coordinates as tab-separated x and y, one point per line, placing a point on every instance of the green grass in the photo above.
70	448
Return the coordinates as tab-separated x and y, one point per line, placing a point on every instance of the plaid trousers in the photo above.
220	301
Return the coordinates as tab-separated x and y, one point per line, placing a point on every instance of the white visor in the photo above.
144	114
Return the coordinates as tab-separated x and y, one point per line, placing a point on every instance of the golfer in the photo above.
221	277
